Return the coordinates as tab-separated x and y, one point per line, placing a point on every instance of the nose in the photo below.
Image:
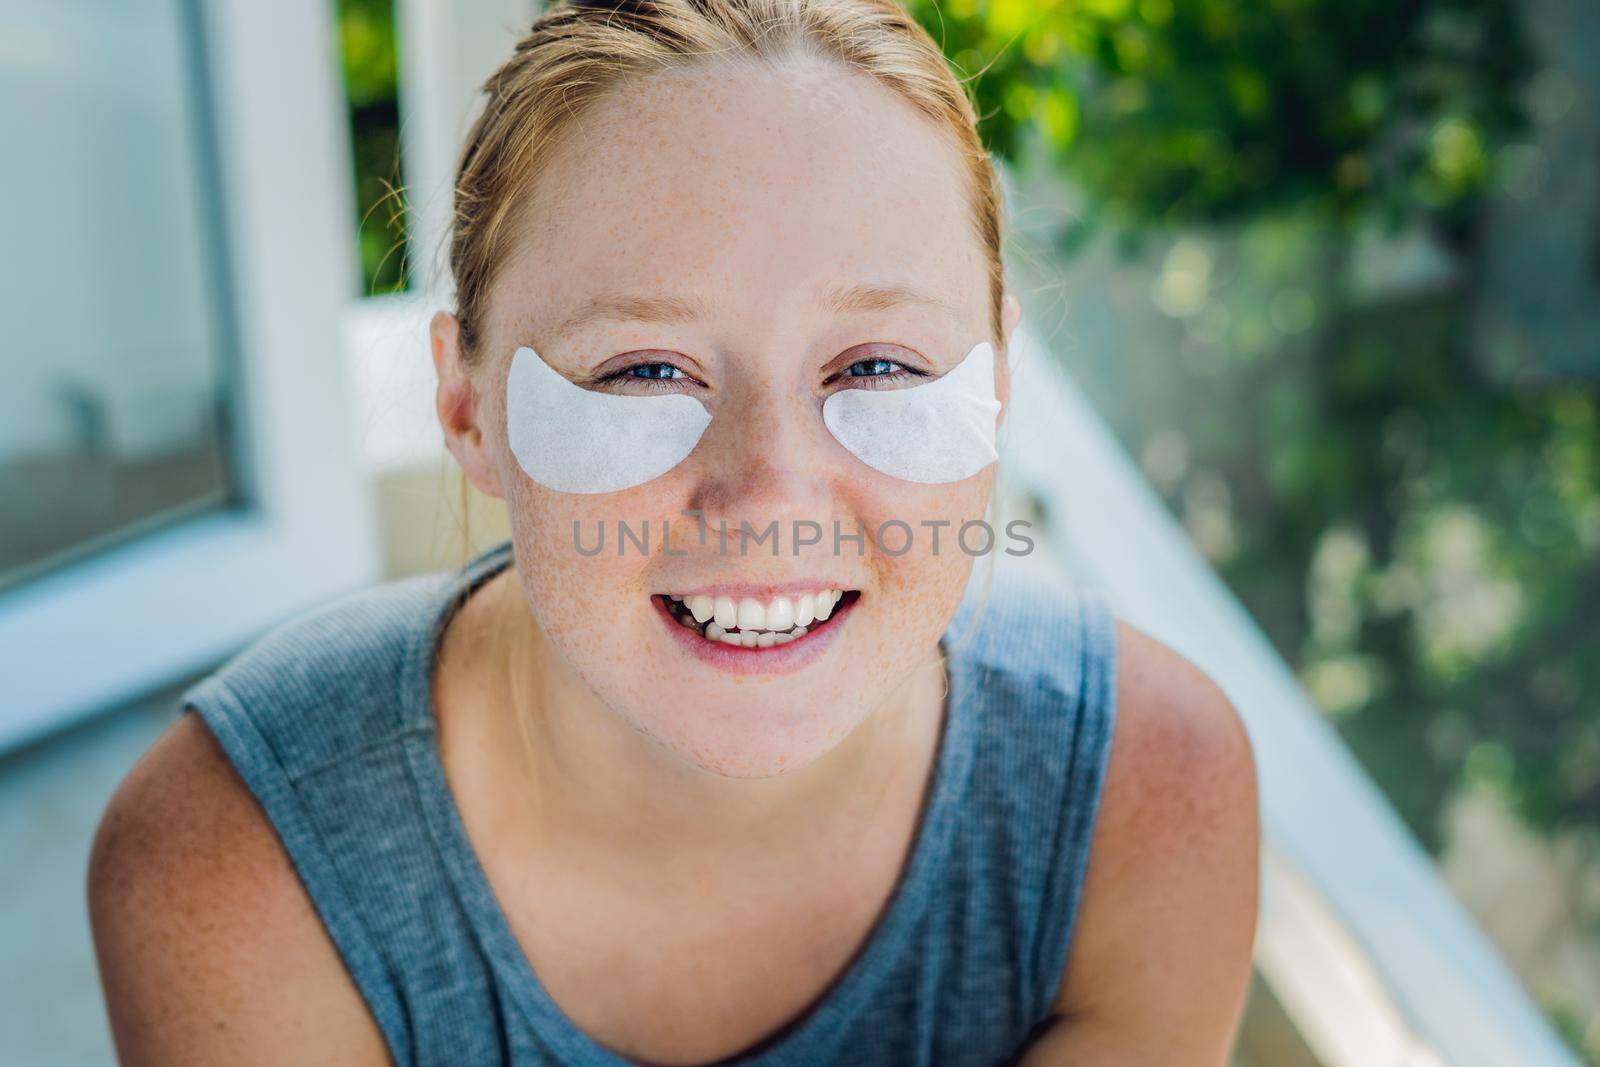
765	458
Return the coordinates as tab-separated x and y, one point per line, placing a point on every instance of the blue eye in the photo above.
880	368
656	377
883	370
651	367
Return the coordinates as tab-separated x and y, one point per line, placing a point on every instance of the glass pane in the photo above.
112	417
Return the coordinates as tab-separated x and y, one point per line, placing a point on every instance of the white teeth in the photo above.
780	614
749	622
752	614
702	607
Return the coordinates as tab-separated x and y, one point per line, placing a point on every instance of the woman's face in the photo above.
758	241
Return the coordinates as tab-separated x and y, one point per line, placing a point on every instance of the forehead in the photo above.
753	190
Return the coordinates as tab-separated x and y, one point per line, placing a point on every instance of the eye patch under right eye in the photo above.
576	440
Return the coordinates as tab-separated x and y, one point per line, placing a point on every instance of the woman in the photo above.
701	804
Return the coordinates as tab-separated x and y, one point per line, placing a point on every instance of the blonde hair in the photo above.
578	53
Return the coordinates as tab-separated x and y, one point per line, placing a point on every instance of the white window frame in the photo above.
172	602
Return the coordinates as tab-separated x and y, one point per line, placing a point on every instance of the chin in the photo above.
756	737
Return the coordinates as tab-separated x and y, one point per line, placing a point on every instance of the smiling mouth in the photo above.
747	623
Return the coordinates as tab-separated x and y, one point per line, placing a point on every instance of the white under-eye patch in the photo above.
577	440
940	431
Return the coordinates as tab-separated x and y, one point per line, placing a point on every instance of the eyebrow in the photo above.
882	298
671	310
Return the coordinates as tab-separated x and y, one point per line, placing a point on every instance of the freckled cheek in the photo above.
569	580
914	591
920	527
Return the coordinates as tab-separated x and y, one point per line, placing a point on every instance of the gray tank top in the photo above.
328	719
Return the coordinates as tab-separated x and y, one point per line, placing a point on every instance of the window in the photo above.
114	419
178	458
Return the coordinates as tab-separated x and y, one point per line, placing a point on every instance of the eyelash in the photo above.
899	375
663	385
655	385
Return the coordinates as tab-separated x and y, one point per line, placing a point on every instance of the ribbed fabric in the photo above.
329	721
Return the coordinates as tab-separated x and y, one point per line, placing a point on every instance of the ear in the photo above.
1010	315
456	403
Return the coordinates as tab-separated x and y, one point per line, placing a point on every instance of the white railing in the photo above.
1373	958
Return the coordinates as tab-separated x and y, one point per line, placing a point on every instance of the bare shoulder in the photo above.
209	949
1161	953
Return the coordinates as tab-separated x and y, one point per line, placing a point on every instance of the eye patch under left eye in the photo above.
940	431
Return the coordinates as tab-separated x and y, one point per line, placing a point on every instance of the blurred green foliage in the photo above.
368	57
1422	542
1180	111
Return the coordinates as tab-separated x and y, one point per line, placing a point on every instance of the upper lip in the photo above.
758	590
